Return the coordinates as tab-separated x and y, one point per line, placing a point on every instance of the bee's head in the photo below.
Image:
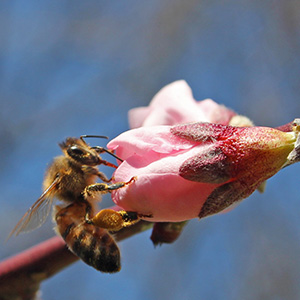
79	151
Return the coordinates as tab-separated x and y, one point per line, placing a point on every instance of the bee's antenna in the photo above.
82	137
98	148
101	149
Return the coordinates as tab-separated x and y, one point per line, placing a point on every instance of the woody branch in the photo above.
22	274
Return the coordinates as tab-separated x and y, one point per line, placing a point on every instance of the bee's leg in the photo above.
114	220
103	177
88	210
103	188
107	163
96	172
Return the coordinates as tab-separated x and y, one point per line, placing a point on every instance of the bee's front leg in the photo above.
103	177
103	188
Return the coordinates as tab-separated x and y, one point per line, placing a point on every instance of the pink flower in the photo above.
195	169
174	104
198	169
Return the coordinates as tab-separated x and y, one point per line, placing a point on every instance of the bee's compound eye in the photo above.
83	156
75	151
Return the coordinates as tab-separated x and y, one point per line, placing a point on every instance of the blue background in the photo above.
76	67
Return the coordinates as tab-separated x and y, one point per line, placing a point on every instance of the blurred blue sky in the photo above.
76	67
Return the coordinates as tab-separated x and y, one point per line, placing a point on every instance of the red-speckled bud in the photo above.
197	169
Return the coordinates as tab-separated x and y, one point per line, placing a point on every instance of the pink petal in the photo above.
148	142
154	156
158	189
174	104
215	113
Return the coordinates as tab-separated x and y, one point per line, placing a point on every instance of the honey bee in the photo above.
72	178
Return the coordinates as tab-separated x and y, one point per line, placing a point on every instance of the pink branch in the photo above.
21	275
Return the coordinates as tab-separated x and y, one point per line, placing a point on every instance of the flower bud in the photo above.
197	169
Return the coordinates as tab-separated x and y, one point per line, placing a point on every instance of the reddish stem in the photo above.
21	275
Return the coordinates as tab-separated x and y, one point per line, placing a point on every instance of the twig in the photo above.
22	274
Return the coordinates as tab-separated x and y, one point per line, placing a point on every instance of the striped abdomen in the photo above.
94	245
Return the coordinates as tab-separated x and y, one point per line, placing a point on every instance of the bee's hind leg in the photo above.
108	218
113	220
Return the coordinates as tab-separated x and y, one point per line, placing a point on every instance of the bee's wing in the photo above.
37	213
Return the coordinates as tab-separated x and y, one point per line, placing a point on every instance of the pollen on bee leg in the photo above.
114	220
